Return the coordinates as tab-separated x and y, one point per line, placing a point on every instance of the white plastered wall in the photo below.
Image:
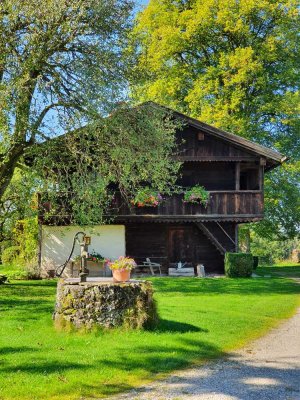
108	240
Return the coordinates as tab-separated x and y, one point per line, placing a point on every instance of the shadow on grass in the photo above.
280	271
44	367
33	307
165	358
165	326
12	350
105	389
207	286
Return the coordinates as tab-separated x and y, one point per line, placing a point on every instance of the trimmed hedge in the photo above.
238	265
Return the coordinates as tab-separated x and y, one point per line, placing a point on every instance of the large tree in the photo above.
64	69
234	64
61	62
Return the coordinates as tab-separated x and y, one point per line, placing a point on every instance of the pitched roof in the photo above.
274	156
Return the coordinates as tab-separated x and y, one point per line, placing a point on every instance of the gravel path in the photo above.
268	368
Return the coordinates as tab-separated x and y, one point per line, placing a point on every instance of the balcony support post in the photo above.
236	238
237	175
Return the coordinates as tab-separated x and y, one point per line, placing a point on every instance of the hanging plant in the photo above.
197	195
147	197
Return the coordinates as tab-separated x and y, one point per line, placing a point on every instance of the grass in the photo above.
283	269
200	319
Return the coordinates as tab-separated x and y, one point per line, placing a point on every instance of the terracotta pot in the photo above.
121	275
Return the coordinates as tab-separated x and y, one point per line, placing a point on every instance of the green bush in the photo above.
10	254
238	265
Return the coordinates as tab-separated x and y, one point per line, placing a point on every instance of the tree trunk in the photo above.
8	166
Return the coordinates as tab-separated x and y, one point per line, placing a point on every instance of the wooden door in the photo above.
181	247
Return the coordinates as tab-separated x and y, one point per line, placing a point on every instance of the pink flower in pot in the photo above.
121	268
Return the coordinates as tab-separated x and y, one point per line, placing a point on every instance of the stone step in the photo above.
181	272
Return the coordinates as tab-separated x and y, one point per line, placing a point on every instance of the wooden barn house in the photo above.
228	166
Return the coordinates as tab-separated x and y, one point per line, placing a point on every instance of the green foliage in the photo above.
26	235
271	250
147	197
94	256
62	64
10	254
200	319
238	265
23	253
282	204
131	147
197	194
18	202
232	64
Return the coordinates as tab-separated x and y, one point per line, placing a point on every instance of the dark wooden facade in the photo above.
232	170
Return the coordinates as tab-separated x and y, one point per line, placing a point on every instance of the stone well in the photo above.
101	302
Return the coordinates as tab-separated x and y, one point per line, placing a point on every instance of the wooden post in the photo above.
236	238
261	177
237	175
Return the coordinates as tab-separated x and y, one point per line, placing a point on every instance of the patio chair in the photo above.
151	265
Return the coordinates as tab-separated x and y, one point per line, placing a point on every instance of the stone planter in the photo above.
104	303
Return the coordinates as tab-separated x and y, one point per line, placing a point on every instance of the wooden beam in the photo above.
213	158
261	177
237	175
226	233
262	161
189	217
211	237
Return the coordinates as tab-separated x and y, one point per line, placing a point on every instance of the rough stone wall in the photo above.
108	305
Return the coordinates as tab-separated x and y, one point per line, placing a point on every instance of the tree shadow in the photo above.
168	326
165	358
45	367
207	286
105	389
233	378
12	350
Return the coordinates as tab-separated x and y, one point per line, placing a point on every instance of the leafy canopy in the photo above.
63	66
233	64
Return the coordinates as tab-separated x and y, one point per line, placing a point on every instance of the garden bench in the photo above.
151	265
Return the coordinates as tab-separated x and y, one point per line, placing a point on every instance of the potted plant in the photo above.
196	195
95	263
95	257
147	197
121	268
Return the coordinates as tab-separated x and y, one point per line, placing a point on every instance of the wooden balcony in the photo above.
231	205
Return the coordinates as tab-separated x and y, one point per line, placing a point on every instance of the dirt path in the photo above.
269	368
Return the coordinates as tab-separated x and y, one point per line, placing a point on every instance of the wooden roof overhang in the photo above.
188	218
272	157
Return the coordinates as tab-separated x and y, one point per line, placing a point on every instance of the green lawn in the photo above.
285	269
200	319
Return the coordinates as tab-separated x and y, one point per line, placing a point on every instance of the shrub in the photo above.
238	265
32	270
10	254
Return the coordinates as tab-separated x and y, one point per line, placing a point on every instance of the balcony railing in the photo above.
221	203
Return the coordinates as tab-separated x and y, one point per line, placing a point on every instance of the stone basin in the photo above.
100	302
